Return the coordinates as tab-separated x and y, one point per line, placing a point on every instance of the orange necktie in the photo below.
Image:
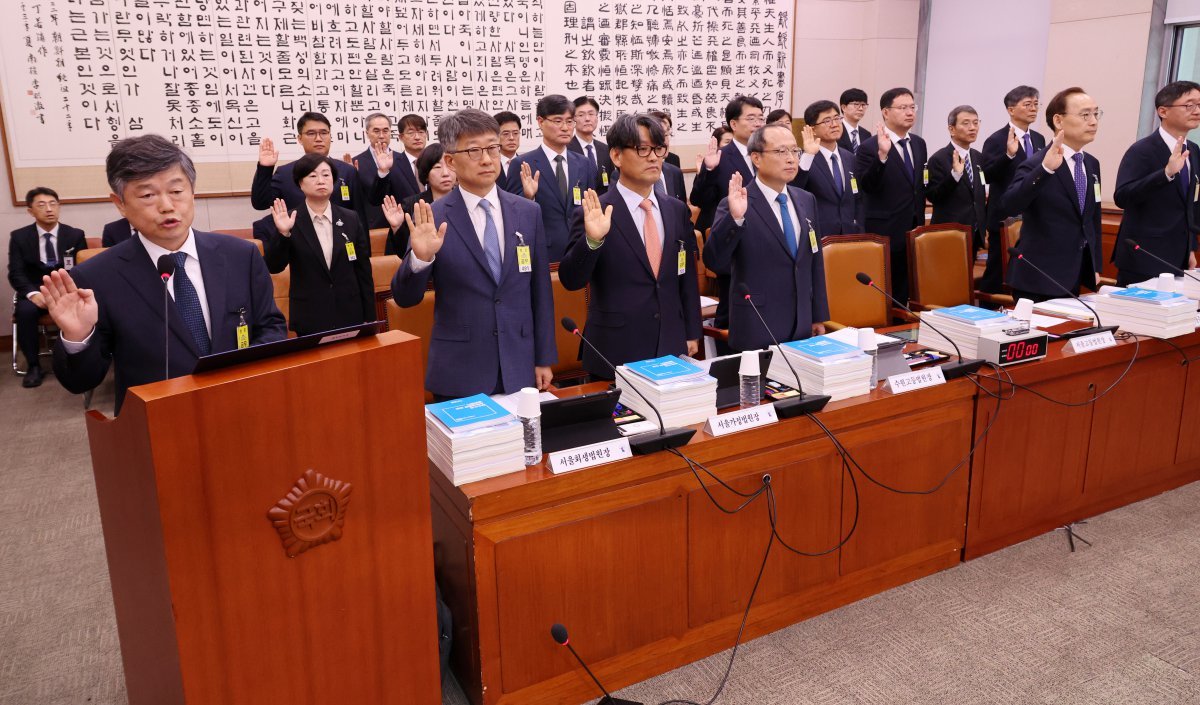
653	242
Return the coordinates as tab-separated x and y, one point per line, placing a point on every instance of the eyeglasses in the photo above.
476	153
856	104
313	134
1028	104
414	133
910	108
510	133
644	150
831	120
753	119
968	123
783	153
1190	107
47	205
1087	115
560	123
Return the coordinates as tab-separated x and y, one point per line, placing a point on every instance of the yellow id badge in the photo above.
350	254
1096	190
603	178
345	192
812	240
1196	195
982	178
243	336
577	195
524	261
853	185
681	261
925	176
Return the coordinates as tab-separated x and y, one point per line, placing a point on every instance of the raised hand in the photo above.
74	310
349	159
1054	155
267	154
956	166
885	142
596	218
284	221
424	238
811	144
1013	143
738	198
529	181
712	155
383	157
392	212
1179	157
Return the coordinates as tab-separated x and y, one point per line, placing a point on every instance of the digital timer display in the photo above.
1021	350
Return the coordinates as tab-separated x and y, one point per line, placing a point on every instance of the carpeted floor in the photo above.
1113	624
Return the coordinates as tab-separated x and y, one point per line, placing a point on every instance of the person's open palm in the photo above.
425	238
74	310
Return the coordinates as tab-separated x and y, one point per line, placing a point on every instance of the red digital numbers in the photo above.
1021	349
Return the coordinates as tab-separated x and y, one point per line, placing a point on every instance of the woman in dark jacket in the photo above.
439	180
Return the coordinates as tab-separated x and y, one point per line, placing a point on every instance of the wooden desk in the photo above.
648	576
1044	465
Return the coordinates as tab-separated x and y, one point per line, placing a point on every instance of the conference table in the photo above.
648	574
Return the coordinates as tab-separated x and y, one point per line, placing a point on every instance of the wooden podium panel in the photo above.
211	608
647	575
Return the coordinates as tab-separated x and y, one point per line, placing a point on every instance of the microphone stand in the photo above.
794	406
1138	248
1091	330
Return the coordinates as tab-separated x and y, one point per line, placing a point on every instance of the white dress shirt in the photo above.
771	194
851	133
479	220
324	228
1020	140
745	152
566	163
1170	140
806	161
907	145
634	202
41	245
584	144
964	153
1068	161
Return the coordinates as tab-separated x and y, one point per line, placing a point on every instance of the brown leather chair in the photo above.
941	268
850	303
85	255
282	284
573	304
1010	234
93	243
383	268
417	320
378	241
46	330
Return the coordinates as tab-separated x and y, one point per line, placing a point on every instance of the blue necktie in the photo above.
51	257
789	230
970	170
188	304
491	240
1028	145
907	159
837	176
1184	180
591	155
1080	179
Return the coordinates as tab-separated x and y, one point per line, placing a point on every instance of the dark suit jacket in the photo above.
836	215
999	170
401	182
129	331
673	159
844	141
482	331
604	163
116	232
895	201
323	297
268	186
25	267
397	240
676	186
1054	232
1163	217
789	292
959	201
633	315
556	207
709	187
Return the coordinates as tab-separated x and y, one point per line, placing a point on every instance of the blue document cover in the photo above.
1149	296
468	412
969	314
823	348
664	369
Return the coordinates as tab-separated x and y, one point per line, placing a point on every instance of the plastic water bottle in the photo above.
866	341
751	389
529	410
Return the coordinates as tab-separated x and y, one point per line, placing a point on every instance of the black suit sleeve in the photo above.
277	249
997	165
1138	177
17	276
579	261
268	325
262	194
941	178
86	369
689	285
362	269
867	167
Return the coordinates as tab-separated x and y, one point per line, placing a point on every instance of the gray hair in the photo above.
139	158
367	120
467	122
758	139
952	118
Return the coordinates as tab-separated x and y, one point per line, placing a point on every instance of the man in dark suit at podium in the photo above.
636	249
765	236
956	182
116	232
110	308
485	249
34	251
827	172
1157	185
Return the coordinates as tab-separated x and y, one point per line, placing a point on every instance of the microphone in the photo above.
1092	330
649	441
166	269
1132	244
950	370
559	632
802	404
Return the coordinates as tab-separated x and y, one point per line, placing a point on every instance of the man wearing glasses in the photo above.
1157	185
957	186
764	235
890	166
587	119
493	316
854	107
826	171
1057	193
510	141
553	176
635	247
1003	151
394	168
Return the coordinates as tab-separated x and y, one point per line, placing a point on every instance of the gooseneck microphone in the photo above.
166	269
649	441
1132	244
801	404
950	370
559	632
1091	330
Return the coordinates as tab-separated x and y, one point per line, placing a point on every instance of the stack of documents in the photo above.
1162	314
1183	285
473	439
826	366
1067	308
962	324
682	392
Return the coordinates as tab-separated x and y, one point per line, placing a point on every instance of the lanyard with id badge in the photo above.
69	259
1096	187
243	330
524	260
350	253
345	189
681	261
812	236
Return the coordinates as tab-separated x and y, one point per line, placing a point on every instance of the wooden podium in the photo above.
268	531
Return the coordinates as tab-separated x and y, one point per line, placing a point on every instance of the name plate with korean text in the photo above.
740	420
918	379
590	455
